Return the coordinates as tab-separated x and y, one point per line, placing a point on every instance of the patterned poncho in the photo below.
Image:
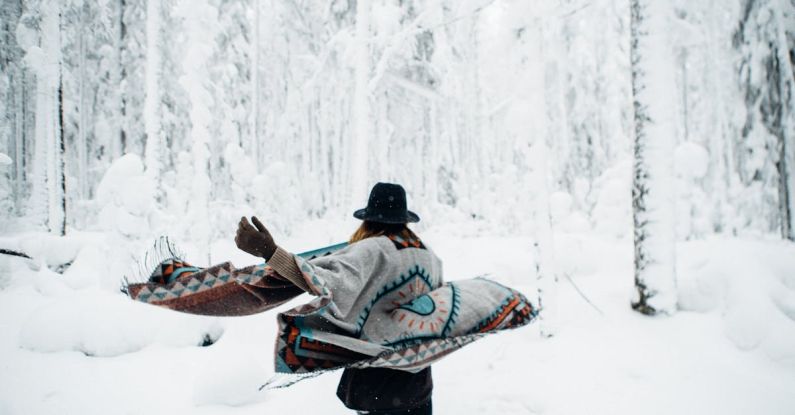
380	302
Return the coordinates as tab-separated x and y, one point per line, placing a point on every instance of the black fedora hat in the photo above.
387	204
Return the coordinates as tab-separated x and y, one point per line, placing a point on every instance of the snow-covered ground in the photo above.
72	344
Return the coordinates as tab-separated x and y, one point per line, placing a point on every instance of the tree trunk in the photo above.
122	47
652	189
720	170
48	171
361	104
255	92
199	32
60	157
786	161
21	105
152	100
544	245
82	141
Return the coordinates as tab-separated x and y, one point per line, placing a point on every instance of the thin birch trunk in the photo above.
19	140
48	159
361	104
123	122
544	246
720	171
787	137
60	172
82	141
152	101
652	190
255	88
115	80
200	33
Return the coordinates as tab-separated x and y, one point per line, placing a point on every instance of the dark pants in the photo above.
386	391
422	410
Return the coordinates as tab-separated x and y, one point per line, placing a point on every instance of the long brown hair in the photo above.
370	229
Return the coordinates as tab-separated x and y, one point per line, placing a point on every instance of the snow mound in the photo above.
233	379
89	265
4	159
97	323
612	212
751	284
691	160
10	265
125	196
126	166
52	249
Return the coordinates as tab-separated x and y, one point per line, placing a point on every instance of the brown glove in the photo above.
256	241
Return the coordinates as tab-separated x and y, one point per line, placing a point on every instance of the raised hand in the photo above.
254	239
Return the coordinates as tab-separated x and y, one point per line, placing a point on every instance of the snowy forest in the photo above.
629	165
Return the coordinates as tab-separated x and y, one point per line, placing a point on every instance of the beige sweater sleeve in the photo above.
284	264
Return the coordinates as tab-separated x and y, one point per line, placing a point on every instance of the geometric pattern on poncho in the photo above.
190	283
299	353
168	270
420	355
402	243
515	311
220	290
223	290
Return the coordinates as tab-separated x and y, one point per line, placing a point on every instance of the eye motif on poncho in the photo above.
426	314
411	301
423	305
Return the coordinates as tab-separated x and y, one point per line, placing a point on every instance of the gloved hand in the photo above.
256	241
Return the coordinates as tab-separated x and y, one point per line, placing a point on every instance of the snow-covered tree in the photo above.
319	100
174	105
132	60
15	106
41	28
768	83
153	101
199	26
653	175
230	72
254	113
361	102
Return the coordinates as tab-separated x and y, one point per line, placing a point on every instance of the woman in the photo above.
382	246
380	309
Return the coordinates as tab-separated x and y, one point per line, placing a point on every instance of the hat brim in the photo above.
362	214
